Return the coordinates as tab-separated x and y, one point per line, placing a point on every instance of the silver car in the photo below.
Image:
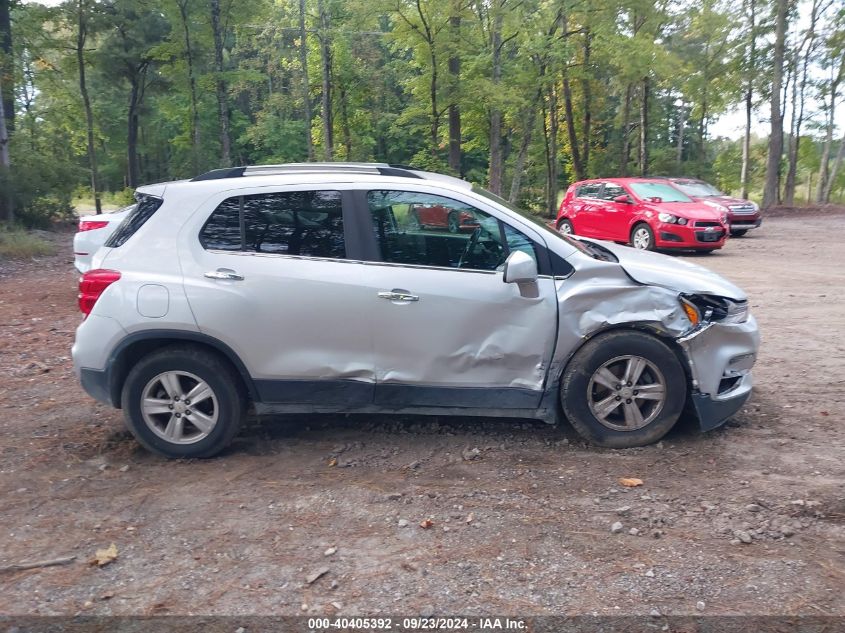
311	288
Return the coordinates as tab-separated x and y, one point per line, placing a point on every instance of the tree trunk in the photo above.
551	132
494	179
7	68
530	119
7	210
679	142
133	168
81	36
572	133
192	83
454	107
770	191
306	89
625	153
586	89
840	155
344	124
220	83
749	101
326	70
644	127
824	172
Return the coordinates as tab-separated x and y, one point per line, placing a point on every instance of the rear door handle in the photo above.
397	295
224	273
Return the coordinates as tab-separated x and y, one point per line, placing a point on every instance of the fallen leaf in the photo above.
426	524
104	556
824	413
333	461
107	595
631	482
313	576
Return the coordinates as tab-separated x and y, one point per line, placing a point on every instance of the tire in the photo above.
565	227
642	234
705	251
453	223
217	416
583	390
739	232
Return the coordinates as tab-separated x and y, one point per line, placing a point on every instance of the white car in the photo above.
93	232
313	288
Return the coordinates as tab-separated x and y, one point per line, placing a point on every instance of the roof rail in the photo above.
382	169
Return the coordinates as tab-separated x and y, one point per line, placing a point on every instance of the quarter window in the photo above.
306	223
428	230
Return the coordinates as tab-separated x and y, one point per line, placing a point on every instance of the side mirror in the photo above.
623	199
520	268
655	199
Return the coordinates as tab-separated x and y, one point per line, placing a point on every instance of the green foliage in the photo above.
392	83
17	243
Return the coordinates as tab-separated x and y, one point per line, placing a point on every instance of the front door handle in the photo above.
397	295
224	273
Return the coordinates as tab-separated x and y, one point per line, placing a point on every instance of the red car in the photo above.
434	216
647	213
743	215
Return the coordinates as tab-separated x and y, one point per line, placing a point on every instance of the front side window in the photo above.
429	230
612	191
304	223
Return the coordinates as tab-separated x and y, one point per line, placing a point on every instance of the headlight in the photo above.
755	206
717	309
724	218
671	219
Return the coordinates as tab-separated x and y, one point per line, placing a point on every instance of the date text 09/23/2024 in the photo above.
416	624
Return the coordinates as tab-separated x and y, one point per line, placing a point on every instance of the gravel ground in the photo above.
324	514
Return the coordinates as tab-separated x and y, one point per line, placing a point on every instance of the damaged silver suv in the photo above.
322	287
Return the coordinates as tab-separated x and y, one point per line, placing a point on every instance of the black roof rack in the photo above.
383	169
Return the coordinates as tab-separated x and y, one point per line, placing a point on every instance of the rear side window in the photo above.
590	190
144	210
306	223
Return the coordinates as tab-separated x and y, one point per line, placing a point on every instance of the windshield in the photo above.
666	192
697	189
534	219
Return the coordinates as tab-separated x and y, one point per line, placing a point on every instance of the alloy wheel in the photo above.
179	407
626	393
642	238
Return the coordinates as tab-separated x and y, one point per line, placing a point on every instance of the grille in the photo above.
707	223
744	209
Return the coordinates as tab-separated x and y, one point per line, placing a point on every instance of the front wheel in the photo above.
183	402
623	389
642	237
739	232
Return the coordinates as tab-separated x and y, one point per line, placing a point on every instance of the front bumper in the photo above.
720	357
745	222
689	236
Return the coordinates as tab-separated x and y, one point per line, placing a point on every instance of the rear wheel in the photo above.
183	402
623	389
565	227
642	237
739	232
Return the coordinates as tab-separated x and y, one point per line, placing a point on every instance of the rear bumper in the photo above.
689	236
96	384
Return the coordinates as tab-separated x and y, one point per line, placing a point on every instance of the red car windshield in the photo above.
697	189
667	193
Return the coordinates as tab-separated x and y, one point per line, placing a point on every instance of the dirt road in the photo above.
748	519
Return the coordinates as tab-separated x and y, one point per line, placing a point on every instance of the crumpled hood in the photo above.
678	274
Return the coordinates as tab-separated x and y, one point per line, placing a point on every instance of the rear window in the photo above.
144	210
304	223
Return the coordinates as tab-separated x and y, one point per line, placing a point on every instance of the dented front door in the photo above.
459	338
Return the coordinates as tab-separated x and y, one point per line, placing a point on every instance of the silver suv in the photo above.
379	288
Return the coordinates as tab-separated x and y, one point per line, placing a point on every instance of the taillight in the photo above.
91	286
90	225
